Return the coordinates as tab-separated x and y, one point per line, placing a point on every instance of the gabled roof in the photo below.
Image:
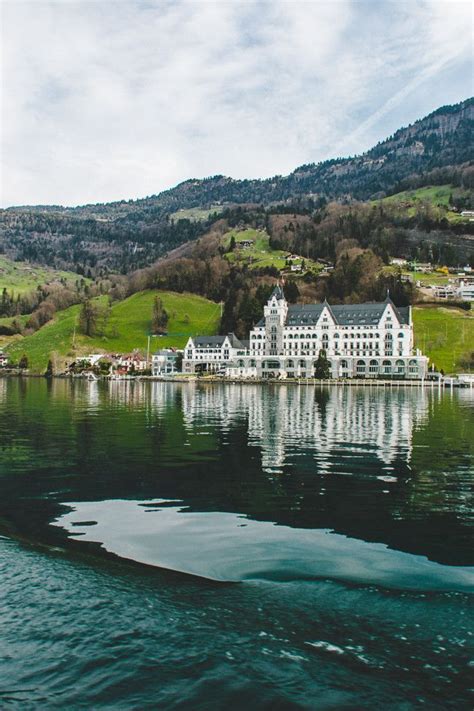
216	341
344	314
234	341
302	314
208	341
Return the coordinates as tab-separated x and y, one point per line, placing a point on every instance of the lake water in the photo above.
187	546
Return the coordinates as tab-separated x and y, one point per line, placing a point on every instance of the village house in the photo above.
131	362
165	362
4	360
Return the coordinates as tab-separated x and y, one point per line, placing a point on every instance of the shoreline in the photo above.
448	382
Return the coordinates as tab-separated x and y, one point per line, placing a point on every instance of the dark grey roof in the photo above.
214	341
278	292
345	314
208	341
301	314
234	341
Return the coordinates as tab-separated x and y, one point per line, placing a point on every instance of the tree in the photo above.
322	369
291	291
160	317
232	244
49	372
23	363
103	316
88	318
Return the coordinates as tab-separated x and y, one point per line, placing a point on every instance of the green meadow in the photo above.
444	334
259	254
196	214
21	277
127	328
437	195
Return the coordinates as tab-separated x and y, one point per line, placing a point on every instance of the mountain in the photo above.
128	234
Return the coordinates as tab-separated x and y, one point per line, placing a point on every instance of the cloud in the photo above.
109	100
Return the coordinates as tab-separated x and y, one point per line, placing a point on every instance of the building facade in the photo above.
373	340
165	362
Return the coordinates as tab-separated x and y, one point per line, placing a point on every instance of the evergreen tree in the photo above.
160	317
23	363
88	318
49	372
291	291
322	369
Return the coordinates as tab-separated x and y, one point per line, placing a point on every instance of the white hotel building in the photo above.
373	340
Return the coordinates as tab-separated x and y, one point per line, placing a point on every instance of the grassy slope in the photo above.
445	335
21	277
434	278
127	329
437	195
260	254
195	213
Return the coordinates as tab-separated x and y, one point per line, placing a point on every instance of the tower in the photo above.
275	313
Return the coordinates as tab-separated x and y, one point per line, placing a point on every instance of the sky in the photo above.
108	100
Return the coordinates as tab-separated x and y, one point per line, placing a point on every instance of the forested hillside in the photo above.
94	240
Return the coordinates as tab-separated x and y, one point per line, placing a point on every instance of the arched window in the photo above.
400	335
301	363
343	363
386	367
314	335
360	367
399	367
291	364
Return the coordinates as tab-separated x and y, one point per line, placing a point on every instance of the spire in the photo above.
387	298
278	293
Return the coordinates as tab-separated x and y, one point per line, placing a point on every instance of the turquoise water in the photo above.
303	547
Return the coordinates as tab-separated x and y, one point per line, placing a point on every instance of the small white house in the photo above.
466	290
165	362
3	359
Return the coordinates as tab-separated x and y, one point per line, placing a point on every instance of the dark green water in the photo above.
305	548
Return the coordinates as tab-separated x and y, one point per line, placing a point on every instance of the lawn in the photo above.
21	277
196	214
127	329
260	254
427	279
437	195
444	334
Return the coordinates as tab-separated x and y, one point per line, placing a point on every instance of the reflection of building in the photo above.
325	425
360	340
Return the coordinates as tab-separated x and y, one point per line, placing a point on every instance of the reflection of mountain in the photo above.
326	425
